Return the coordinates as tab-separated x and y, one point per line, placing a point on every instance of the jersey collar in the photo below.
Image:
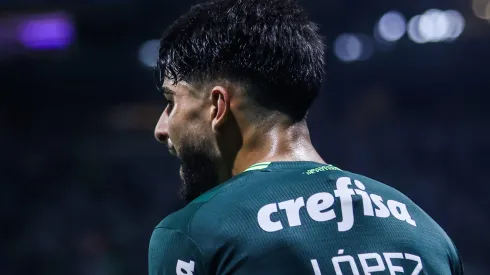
258	166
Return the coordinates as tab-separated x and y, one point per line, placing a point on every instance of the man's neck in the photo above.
278	143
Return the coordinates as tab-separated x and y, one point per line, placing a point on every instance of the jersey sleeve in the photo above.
173	252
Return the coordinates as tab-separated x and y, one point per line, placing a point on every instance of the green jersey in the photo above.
301	218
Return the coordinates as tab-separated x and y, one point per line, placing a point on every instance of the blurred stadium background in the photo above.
84	181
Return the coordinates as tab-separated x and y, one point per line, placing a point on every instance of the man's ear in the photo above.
220	98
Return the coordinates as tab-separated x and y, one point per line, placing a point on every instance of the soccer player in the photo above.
239	77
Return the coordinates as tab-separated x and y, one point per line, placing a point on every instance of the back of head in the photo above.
269	48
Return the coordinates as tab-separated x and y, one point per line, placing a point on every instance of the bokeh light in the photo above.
392	26
148	53
348	47
481	9
367	43
46	32
456	24
413	30
436	26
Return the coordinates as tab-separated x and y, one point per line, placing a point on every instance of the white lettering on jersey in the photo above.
318	203
345	194
184	268
264	218
393	268
417	259
316	268
380	266
319	208
347	264
292	210
382	211
346	258
367	205
399	211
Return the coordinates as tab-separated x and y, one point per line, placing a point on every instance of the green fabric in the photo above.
301	218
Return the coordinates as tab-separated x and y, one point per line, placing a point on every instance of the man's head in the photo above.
231	60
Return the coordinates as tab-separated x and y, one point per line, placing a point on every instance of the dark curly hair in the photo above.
269	47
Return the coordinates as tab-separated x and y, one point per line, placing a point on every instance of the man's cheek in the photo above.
173	135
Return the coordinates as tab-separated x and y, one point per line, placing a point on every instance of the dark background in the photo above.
83	182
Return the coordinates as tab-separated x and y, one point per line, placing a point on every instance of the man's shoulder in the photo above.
180	220
194	217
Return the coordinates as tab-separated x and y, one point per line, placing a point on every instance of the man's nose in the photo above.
161	130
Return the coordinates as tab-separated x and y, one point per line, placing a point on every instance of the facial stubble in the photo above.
198	170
